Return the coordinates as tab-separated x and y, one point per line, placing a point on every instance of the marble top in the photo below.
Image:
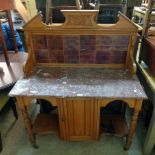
79	82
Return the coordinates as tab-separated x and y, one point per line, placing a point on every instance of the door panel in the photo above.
81	119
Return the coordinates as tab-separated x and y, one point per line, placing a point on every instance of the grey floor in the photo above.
15	141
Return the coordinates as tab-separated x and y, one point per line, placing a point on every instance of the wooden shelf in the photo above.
113	124
46	124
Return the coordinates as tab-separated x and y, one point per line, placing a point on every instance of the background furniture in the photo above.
148	81
146	68
7	6
108	10
71	65
29	6
2	41
146	71
51	9
9	76
145	16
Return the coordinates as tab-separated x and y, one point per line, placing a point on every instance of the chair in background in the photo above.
108	10
53	7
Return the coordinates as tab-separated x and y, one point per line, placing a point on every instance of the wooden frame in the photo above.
82	22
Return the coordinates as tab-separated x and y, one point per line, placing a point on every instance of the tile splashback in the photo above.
80	49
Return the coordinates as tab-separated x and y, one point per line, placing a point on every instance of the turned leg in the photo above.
133	124
27	120
28	126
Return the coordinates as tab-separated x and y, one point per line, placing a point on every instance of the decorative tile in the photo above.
54	42
88	49
71	45
72	59
56	56
87	43
121	40
120	48
103	48
39	42
42	55
88	58
112	41
57	59
104	40
43	61
103	57
118	57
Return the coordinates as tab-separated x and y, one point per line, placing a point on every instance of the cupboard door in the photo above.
81	117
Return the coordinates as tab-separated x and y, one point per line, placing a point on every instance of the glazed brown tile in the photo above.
72	59
118	57
120	48
104	40
121	40
87	43
103	48
55	42
57	59
103	58
71	45
88	58
56	56
39	42
43	61
42	54
55	52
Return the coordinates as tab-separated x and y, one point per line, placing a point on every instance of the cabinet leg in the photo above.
133	124
28	126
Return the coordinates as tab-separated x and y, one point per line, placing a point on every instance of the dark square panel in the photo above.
43	61
39	41
121	40
54	42
103	57
119	57
88	58
104	41
103	48
42	55
55	52
71	45
87	43
56	56
57	59
72	59
120	48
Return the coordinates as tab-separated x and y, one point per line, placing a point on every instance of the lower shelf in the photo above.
113	124
46	124
110	124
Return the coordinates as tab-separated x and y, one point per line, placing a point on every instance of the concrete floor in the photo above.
15	141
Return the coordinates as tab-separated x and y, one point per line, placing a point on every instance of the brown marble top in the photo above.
79	82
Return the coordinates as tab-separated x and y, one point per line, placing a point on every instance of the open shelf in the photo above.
46	124
113	124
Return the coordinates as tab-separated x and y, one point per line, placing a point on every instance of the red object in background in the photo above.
6	4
